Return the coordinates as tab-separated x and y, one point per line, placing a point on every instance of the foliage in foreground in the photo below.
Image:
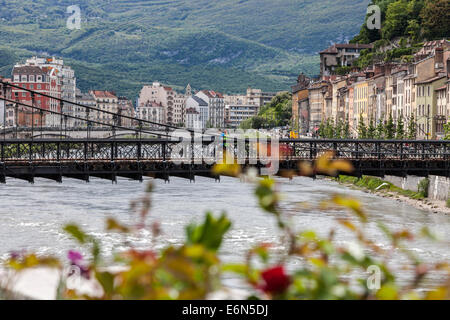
193	270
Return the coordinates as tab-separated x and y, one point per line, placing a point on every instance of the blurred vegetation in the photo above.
323	268
222	45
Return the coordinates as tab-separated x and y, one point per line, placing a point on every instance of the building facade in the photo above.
105	101
42	80
216	105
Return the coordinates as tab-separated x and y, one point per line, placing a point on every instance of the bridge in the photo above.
147	148
186	158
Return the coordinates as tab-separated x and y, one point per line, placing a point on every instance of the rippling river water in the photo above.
32	216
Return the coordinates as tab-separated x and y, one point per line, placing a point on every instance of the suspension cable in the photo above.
93	108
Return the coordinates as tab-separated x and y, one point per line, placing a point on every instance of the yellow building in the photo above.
361	101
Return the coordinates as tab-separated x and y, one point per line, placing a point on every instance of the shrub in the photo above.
423	187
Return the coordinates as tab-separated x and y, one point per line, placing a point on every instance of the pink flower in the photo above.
74	256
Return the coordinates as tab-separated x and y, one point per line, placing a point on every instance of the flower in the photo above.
74	256
275	280
76	260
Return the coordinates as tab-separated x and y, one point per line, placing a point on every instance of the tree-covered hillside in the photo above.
414	19
405	25
224	45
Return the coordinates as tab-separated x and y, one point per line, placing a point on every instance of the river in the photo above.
32	216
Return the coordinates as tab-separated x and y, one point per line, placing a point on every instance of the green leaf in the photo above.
76	233
106	280
210	234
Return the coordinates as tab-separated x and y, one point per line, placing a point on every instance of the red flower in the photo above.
275	280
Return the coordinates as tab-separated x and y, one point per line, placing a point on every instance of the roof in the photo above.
431	80
411	76
103	94
441	88
200	101
212	94
334	48
31	70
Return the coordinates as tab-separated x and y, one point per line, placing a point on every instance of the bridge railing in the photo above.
51	150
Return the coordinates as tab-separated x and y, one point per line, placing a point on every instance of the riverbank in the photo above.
388	190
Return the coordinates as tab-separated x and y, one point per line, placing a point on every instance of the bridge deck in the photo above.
162	158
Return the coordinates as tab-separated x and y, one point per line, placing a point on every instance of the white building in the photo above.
151	111
172	102
193	119
200	106
236	114
216	104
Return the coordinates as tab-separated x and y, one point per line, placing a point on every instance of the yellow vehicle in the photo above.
293	135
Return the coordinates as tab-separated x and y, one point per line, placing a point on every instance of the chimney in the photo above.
439	56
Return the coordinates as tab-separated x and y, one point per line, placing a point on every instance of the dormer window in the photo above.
24	78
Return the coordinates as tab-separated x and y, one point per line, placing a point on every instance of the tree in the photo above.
400	129
396	19
346	130
389	129
371	130
338	130
379	132
362	129
329	129
412	128
435	19
447	131
321	131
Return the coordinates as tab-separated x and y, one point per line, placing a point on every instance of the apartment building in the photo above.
202	109
67	81
105	101
427	111
125	112
238	113
151	111
216	105
174	103
43	80
87	100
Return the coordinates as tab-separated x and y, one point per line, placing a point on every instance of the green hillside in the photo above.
224	45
